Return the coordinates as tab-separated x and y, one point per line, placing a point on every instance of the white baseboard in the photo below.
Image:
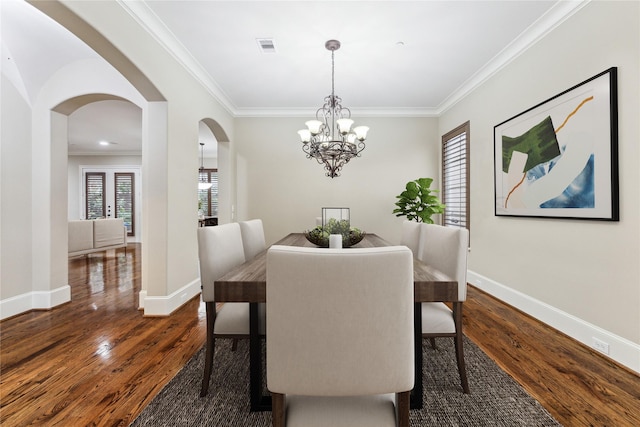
165	305
36	300
621	350
141	297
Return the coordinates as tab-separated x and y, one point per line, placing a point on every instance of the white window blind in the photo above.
455	177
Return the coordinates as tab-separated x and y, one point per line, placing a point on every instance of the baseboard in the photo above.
621	350
165	305
141	297
35	300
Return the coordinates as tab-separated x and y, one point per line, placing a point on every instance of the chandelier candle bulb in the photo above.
314	126
344	125
361	132
305	135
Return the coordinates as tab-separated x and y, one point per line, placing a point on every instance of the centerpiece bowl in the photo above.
320	237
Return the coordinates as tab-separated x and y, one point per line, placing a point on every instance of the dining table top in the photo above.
247	282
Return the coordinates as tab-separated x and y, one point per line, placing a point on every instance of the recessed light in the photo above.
104	143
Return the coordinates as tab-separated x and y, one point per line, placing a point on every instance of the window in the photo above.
95	191
208	199
124	198
110	194
455	177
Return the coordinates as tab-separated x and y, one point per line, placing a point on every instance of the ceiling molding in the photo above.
159	31
106	153
355	112
555	16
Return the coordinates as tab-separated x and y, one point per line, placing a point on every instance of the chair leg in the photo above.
457	317
278	401
234	344
208	361
403	400
433	342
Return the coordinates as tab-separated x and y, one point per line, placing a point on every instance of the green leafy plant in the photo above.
417	202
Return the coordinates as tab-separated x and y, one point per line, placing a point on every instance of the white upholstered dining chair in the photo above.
340	336
253	239
220	249
446	249
411	236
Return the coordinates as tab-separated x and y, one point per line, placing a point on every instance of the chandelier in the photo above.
202	185
330	138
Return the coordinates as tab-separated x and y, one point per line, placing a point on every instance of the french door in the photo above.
110	193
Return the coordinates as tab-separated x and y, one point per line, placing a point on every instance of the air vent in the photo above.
266	45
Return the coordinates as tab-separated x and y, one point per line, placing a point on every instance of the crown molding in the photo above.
355	112
555	16
143	15
94	153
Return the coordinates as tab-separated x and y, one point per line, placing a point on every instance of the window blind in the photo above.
208	199
455	177
125	199
95	193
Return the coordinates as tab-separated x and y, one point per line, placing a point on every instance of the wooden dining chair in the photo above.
340	336
253	239
446	249
220	249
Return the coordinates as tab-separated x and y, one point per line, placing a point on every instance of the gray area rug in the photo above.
495	399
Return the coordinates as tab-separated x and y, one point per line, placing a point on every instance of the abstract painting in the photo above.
559	159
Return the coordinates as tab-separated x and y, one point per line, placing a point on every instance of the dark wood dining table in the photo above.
247	283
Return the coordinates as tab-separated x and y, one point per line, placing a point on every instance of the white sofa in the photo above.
88	236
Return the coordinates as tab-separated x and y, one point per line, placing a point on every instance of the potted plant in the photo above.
417	202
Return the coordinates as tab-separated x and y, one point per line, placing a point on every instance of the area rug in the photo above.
496	399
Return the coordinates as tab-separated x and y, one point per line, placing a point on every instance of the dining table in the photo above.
247	283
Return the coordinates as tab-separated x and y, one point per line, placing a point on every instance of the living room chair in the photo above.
253	239
446	249
341	336
220	249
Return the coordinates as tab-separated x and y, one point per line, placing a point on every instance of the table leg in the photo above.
416	393
258	401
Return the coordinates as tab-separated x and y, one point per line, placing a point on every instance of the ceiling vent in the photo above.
266	45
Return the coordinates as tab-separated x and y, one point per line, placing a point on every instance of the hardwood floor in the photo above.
97	361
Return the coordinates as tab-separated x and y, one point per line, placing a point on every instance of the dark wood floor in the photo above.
97	361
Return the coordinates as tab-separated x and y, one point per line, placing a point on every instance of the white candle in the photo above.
335	241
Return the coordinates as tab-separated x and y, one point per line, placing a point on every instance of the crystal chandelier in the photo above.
330	138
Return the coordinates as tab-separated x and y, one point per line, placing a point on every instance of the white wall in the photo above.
583	277
278	184
15	195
